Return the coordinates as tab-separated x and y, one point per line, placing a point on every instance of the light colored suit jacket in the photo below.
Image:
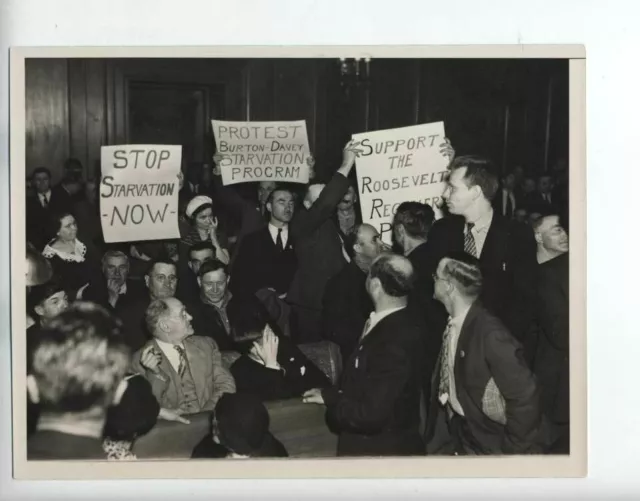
211	378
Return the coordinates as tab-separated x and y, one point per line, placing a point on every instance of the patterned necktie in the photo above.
182	367
45	201
469	241
279	243
443	387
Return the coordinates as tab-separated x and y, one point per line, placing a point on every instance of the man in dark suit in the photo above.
505	202
551	363
185	371
188	289
506	249
114	290
41	206
78	371
266	258
376	407
484	397
319	249
346	303
411	225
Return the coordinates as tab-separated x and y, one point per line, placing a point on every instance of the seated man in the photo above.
241	431
188	288
161	280
376	407
113	290
78	369
271	366
185	371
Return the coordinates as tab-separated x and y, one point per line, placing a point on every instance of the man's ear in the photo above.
199	282
32	389
146	280
122	387
39	310
163	325
538	237
268	207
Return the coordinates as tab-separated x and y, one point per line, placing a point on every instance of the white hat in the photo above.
196	203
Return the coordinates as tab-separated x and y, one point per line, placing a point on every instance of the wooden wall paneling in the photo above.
96	114
259	89
78	111
398	78
46	114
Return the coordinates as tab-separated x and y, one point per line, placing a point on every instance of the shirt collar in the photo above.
167	346
459	319
483	222
379	315
274	229
45	194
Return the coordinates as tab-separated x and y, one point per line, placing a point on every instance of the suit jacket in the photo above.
496	390
37	217
317	244
346	308
207	322
497	204
259	264
376	407
552	358
508	263
132	314
210	376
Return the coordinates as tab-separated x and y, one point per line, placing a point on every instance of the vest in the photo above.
190	403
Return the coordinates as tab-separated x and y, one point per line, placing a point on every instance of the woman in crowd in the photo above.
270	366
240	431
204	226
72	261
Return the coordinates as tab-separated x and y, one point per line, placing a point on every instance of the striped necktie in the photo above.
443	387
182	367
469	241
279	243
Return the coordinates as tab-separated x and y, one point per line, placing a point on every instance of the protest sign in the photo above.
398	165
139	192
262	151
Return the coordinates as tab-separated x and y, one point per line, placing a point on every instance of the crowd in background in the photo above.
455	340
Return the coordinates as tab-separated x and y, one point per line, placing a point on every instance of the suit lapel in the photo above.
195	363
495	238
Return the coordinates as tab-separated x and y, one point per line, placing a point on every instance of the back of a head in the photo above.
42	292
395	273
136	412
416	218
463	270
480	172
248	320
39	269
243	422
79	360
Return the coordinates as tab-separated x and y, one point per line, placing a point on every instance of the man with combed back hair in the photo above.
376	407
78	369
484	397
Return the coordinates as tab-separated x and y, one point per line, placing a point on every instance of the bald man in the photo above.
376	408
346	304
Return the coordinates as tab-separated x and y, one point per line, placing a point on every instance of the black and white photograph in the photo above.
321	255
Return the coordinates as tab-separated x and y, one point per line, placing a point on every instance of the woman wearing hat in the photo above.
204	226
241	431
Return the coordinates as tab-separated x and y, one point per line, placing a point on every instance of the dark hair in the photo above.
55	223
40	293
480	172
79	359
416	218
280	187
153	264
200	246
212	265
41	170
395	274
248	319
135	414
464	269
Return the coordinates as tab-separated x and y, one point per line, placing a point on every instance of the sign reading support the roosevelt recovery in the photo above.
398	165
262	151
139	192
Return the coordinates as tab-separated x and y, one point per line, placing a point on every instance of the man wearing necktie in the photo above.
185	371
506	250
376	407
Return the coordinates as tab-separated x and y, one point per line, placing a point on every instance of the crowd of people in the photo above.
454	340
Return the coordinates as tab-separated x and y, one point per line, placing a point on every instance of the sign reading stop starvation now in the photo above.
139	192
262	151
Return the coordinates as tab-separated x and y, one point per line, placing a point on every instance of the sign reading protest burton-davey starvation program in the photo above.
398	165
139	192
262	151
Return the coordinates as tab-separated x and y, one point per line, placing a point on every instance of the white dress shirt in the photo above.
508	195
480	230
284	235
454	335
171	353
44	198
376	316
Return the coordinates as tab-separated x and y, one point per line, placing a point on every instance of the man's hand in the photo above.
150	359
311	162
267	348
113	288
447	150
313	396
349	155
171	415
217	160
